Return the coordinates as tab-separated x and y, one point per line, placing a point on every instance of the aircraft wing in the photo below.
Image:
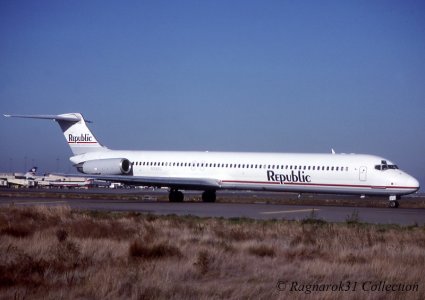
171	182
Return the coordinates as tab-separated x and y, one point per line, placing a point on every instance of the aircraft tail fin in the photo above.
79	137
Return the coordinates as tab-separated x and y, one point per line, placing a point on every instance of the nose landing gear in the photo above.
393	201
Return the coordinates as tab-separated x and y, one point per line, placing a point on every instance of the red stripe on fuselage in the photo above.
318	184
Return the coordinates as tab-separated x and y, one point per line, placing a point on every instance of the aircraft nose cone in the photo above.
416	184
412	183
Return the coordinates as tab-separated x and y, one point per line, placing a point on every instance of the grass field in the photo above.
54	253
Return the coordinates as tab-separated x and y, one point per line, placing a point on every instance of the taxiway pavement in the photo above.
401	216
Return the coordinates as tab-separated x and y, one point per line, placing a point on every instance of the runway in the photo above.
400	216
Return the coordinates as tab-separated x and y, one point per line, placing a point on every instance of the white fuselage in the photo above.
211	171
301	173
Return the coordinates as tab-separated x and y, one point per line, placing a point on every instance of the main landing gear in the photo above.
208	196
177	196
393	203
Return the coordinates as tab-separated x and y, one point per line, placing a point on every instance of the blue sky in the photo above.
280	76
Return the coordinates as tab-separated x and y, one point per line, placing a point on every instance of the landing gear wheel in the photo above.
176	196
208	196
393	204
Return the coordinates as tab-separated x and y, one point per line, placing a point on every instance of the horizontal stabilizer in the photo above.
64	117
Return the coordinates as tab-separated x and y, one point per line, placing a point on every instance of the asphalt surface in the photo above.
401	216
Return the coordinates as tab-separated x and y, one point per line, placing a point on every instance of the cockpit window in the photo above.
385	166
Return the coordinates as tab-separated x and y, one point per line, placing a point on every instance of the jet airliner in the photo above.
358	174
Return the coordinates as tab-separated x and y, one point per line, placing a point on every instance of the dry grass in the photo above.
53	252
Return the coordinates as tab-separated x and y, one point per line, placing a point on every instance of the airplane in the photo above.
19	179
31	179
358	174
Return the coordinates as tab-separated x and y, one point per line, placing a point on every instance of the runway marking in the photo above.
288	211
41	202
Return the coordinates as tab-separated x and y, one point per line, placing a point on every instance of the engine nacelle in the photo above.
109	166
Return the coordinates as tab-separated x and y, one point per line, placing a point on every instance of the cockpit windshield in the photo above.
385	166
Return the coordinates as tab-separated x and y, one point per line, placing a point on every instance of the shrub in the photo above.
313	218
262	251
353	218
203	261
61	235
18	231
138	249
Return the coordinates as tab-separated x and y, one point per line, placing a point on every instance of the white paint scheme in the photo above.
356	173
